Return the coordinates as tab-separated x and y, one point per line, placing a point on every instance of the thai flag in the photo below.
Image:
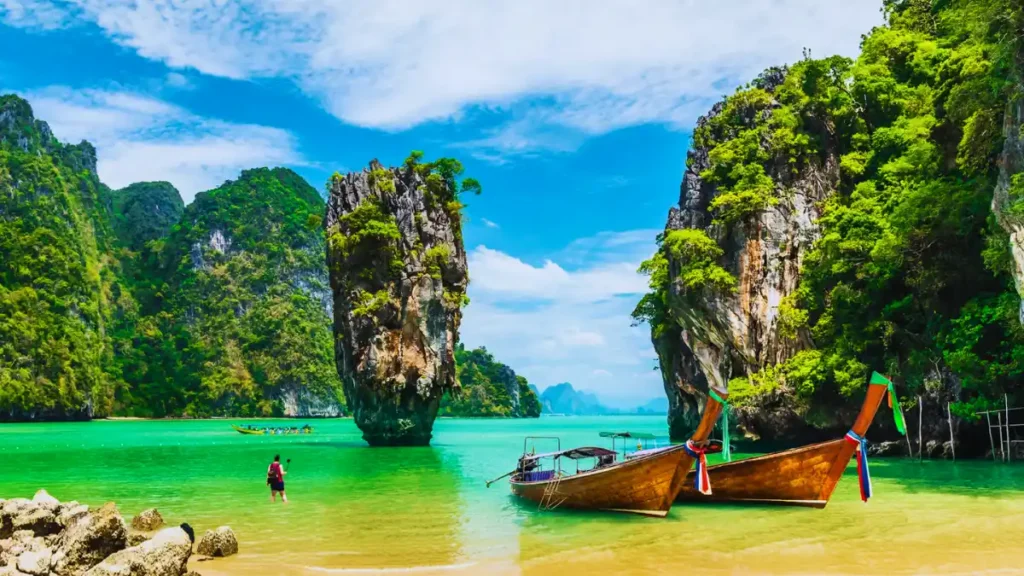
863	474
702	482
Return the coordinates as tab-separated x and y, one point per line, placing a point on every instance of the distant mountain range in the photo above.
563	399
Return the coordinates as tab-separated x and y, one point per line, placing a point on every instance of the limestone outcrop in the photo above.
398	275
730	334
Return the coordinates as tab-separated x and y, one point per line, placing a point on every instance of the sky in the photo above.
574	115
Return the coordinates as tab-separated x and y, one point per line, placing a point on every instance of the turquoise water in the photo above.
356	509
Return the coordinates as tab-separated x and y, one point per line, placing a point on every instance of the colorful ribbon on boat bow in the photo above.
703	481
863	475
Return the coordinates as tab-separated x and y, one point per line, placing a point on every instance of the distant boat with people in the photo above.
272	431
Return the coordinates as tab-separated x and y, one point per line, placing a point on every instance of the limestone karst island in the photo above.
511	288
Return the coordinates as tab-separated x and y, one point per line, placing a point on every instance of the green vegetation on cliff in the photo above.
145	211
911	274
124	302
488	388
239	307
60	296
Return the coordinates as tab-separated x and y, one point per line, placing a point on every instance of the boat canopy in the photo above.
574	453
637	435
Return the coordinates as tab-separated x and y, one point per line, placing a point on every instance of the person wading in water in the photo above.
275	478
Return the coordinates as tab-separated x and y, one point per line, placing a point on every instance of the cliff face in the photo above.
59	287
1010	185
398	275
242	285
125	302
732	334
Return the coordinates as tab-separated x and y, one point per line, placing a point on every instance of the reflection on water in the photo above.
358	510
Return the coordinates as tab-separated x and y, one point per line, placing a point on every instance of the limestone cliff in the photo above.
242	285
60	294
398	275
724	335
1007	195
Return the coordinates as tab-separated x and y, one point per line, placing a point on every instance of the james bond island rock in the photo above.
836	218
398	274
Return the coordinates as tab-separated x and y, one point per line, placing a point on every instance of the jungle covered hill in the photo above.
129	303
488	388
841	216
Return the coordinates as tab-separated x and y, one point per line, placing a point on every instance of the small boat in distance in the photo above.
642	482
254	431
804	476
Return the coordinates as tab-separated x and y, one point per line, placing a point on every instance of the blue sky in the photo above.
575	116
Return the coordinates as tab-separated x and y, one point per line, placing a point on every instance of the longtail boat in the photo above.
804	476
307	429
642	482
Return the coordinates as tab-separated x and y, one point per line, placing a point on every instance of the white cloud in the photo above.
583	67
553	323
499	273
138	137
176	80
40	14
489	223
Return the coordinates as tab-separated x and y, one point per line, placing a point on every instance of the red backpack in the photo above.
274	474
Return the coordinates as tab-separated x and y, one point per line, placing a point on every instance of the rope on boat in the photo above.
894	401
726	448
702	482
863	475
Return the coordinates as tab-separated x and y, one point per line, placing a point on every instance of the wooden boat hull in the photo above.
640	486
645	485
804	476
798	477
241	430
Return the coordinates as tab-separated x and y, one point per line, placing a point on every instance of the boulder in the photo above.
68	513
166	554
11	571
41	521
136	538
148	520
23	541
35	562
89	540
44	500
218	543
887	448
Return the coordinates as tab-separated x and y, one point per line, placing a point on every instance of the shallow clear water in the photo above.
356	509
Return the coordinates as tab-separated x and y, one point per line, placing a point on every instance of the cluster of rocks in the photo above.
46	537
